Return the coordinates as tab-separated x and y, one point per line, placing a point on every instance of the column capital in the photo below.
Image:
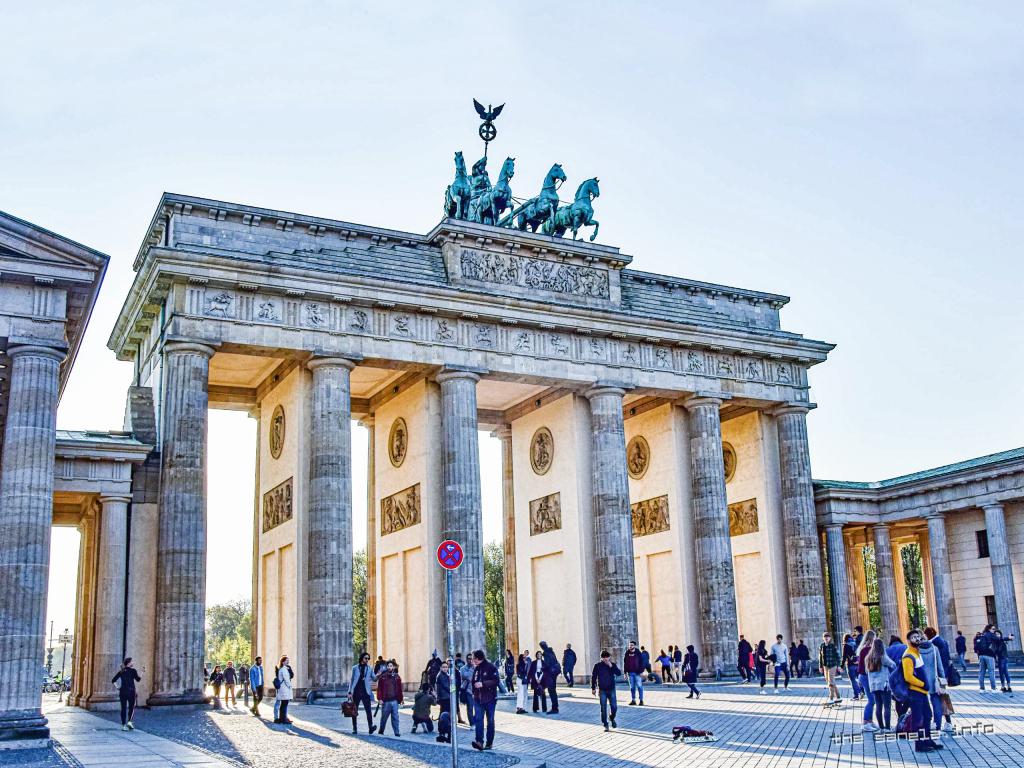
112	497
992	505
880	526
332	362
181	346
368	421
833	527
600	388
503	433
792	407
456	372
38	350
698	399
932	514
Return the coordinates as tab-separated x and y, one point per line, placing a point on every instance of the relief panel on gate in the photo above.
546	514
277	505
650	516
533	274
400	510
743	517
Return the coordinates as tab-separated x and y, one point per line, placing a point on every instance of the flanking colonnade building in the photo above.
656	477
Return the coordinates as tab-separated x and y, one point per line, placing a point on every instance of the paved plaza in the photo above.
789	730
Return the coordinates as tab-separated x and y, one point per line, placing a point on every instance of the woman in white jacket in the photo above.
285	693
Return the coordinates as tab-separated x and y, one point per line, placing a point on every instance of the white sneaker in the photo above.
948	728
869	728
764	692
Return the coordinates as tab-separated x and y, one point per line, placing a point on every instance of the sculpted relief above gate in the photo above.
535	274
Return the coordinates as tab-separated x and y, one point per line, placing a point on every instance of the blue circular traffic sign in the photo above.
449	555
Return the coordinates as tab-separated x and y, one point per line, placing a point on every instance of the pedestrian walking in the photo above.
961	650
793	667
552	669
243	679
125	680
878	666
216	682
862	675
803	657
849	663
442	685
465	675
602	682
510	671
744	650
230	680
256	682
421	704
360	691
633	666
828	665
568	664
781	659
677	664
537	683
985	648
934	667
691	666
523	680
390	696
646	656
761	662
913	667
485	699
285	691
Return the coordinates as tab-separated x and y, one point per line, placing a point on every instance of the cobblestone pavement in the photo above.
789	730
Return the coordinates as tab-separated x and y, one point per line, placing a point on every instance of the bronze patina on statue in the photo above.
473	198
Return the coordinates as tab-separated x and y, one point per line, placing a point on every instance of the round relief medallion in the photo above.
398	442
729	460
277	432
542	450
638	457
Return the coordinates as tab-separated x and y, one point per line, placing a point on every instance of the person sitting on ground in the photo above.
422	702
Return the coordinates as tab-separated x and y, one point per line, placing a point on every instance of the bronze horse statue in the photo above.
537	210
579	214
496	200
456	196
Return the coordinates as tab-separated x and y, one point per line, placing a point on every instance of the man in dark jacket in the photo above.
552	669
568	663
743	651
485	697
603	679
633	664
961	650
985	646
803	659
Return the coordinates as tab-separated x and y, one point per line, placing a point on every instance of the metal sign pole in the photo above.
454	706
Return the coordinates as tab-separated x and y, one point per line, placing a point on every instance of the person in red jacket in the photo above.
389	694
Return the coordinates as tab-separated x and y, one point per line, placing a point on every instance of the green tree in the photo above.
494	599
228	632
359	606
913	580
871	579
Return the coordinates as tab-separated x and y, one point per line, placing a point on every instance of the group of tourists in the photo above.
789	661
252	679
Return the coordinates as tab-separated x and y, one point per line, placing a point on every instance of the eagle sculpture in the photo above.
485	114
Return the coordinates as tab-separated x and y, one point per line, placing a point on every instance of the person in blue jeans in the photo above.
850	664
485	697
961	650
633	665
602	679
1002	663
984	646
912	667
861	670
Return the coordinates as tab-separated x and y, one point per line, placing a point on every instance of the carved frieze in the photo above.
546	514
398	442
729	460
276	437
400	510
542	450
743	517
536	274
219	304
650	516
638	457
277	506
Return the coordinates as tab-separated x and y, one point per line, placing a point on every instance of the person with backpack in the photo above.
915	680
602	679
895	651
761	662
985	647
633	666
743	652
125	680
878	667
828	665
552	670
390	696
691	666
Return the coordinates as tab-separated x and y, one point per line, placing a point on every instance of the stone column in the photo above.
887	601
461	506
329	527
712	545
803	560
180	632
614	577
509	512
111	583
371	537
26	511
838	579
1002	573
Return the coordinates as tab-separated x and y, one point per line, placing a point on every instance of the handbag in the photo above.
947	704
953	677
348	708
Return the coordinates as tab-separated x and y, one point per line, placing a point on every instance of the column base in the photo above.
193	698
23	729
101	701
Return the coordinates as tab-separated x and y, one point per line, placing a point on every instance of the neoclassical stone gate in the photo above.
555	345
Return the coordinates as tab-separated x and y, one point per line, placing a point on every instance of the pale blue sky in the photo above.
862	159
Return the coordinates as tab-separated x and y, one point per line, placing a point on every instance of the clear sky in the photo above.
863	158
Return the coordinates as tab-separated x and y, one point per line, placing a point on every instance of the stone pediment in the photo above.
34	252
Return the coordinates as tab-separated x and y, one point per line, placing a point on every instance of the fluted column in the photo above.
712	545
887	601
614	577
180	631
329	527
461	506
1002	573
26	515
838	579
803	557
111	583
511	592
371	536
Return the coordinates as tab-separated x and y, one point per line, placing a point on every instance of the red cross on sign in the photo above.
449	555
